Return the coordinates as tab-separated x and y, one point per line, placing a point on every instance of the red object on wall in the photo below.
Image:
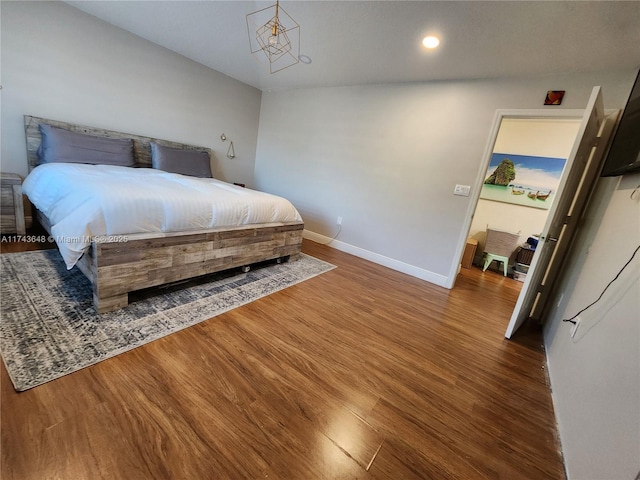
554	97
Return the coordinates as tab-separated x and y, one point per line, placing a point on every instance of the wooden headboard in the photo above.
141	145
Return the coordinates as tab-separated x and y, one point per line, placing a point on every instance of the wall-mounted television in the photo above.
624	154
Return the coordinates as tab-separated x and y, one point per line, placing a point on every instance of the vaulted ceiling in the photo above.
374	42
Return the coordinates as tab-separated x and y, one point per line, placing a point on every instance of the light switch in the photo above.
462	190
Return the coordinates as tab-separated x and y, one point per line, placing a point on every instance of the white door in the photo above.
578	177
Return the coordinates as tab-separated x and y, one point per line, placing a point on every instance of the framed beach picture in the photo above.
522	179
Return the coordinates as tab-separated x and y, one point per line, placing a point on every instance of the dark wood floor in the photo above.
359	373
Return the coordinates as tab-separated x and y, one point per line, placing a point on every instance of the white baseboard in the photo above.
412	270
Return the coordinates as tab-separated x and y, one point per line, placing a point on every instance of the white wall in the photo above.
63	64
552	138
595	377
386	158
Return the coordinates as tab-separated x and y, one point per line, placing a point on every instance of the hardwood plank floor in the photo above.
359	373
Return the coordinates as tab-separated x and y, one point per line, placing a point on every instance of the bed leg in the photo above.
110	303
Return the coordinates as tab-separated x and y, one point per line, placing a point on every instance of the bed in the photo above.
116	261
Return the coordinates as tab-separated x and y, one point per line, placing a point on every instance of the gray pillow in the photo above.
60	145
195	163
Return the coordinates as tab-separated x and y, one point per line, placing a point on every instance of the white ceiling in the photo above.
373	42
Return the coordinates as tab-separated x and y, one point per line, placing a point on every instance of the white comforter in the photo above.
82	201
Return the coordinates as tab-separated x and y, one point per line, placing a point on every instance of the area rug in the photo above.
49	328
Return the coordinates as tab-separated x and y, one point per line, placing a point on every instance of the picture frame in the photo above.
523	180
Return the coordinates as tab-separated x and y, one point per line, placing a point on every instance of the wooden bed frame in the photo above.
147	260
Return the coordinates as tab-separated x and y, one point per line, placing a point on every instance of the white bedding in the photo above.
82	201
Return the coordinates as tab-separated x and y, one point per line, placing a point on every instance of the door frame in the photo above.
500	114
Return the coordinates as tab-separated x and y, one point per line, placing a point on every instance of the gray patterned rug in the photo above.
49	328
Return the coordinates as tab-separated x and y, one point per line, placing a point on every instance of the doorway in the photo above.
524	138
577	180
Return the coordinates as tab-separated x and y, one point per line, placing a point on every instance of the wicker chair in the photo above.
499	247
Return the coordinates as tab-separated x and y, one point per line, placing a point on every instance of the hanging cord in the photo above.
572	319
334	237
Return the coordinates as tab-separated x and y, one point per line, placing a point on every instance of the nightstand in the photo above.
11	205
469	252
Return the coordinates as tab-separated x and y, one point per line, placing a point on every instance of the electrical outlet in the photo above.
339	222
574	326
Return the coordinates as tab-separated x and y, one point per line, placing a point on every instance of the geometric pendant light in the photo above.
274	37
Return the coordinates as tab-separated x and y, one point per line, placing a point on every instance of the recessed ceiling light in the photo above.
305	59
431	41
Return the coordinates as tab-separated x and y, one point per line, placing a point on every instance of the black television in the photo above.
624	153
